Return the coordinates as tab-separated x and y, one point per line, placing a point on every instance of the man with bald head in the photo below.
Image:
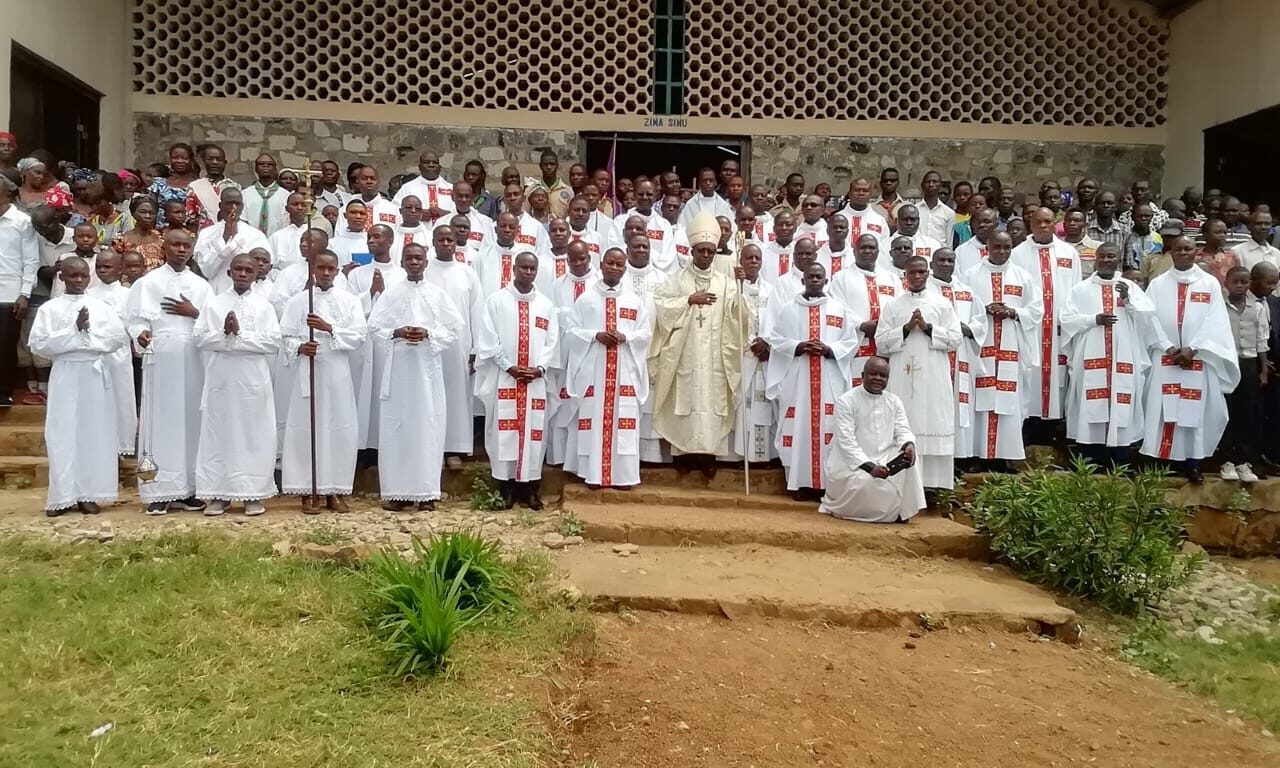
1057	264
863	219
435	192
230	237
908	221
811	225
662	245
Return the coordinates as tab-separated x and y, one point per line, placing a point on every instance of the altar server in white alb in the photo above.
516	346
79	334
866	481
1186	406
812	341
461	283
120	364
1057	265
368	282
1108	328
417	322
966	361
918	332
161	315
239	335
607	338
1012	301
339	326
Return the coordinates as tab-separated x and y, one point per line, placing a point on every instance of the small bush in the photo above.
1108	538
423	603
484	497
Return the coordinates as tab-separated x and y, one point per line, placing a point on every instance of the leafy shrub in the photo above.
1108	538
423	603
484	497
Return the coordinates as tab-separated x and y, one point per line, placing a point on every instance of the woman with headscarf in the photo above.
81	181
36	181
539	202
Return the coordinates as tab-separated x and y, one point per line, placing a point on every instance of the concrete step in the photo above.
863	590
678	496
765	478
24	472
661	524
22	439
22	414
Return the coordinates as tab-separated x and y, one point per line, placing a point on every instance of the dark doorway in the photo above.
1240	157
52	110
641	154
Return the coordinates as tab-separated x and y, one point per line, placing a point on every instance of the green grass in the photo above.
1243	674
212	653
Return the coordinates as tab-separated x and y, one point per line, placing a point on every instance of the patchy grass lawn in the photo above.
208	652
1243	674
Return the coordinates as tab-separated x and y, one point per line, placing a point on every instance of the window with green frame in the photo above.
668	57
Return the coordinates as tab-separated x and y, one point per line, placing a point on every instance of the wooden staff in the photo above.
307	174
746	393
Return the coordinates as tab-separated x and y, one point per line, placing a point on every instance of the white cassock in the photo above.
120	365
286	247
1058	266
1186	409
865	222
568	289
593	241
1108	364
604	227
403	236
495	263
681	239
462	285
662	240
236	459
170	418
263	208
367	363
608	384
713	204
969	254
764	227
805	387
966	362
817	232
414	401
516	330
789	285
776	260
1012	348
482	232
863	293
337	426
80	429
920	375
870	429
433	193
645	282
381	211
835	260
347	243
214	254
753	431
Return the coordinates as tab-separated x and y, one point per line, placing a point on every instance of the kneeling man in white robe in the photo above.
239	335
79	334
872	476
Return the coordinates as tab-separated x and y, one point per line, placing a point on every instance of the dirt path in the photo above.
673	691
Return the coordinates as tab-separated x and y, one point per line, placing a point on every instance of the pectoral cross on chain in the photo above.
701	318
911	368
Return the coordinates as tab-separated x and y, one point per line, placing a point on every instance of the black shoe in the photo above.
393	506
89	507
426	506
508	494
6	401
190	504
532	498
54	512
1194	475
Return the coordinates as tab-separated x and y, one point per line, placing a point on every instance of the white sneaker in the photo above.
215	508
1228	472
1246	474
254	508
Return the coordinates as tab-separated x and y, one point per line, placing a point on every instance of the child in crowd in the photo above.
1263	279
1252	335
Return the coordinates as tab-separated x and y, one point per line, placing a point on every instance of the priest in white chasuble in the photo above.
516	346
644	279
1011	298
457	279
757	415
578	278
1057	265
1108	328
417	323
872	473
864	287
918	332
812	341
966	362
606	339
1185	409
695	359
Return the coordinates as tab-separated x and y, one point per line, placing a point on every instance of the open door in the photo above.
1240	156
648	155
50	109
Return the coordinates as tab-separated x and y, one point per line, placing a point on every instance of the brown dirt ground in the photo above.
674	691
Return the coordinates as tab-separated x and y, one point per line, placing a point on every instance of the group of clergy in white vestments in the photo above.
861	360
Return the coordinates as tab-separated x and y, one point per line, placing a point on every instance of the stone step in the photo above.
24	472
863	590
665	525
765	478
22	439
676	496
22	414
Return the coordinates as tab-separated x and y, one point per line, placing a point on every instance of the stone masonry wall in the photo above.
394	148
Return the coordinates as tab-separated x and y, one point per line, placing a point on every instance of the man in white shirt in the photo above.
435	192
937	220
1259	248
19	260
